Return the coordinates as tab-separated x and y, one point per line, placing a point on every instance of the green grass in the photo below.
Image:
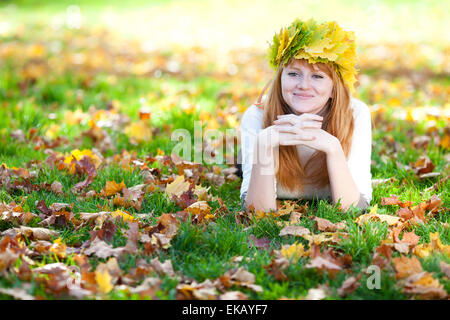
201	252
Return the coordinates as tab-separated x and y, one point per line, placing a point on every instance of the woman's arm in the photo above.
342	185
261	190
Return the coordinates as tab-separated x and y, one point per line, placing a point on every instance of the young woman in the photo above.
309	138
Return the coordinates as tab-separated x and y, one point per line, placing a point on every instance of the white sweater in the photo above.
358	160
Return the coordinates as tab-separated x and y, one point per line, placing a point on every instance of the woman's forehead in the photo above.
298	63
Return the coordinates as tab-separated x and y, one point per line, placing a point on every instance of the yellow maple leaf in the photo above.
373	215
294	251
139	131
112	187
202	193
78	155
103	279
177	187
435	245
52	131
199	207
75	117
323	237
427	280
125	216
58	248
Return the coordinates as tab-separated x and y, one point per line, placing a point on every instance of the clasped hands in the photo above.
305	129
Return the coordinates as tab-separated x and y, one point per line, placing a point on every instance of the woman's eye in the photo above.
293	74
318	76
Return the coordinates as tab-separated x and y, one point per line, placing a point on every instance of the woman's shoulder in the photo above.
252	116
360	109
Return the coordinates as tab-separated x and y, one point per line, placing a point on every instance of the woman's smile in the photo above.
303	96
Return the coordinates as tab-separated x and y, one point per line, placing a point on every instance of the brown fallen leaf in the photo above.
318	293
404	213
233	295
410	238
349	286
424	286
402	247
102	250
445	267
323	263
15	214
31	233
389	201
57	187
263	242
276	268
326	225
422	165
406	267
19	293
197	291
294	231
163	268
242	275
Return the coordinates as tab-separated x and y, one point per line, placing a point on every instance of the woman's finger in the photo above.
305	116
281	128
295	142
311	124
300	124
296	121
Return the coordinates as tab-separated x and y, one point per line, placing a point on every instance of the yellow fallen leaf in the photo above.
202	193
78	155
125	216
103	279
52	131
58	248
435	245
199	207
177	187
324	237
138	131
112	187
373	215
294	251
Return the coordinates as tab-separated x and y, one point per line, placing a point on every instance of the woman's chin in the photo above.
300	110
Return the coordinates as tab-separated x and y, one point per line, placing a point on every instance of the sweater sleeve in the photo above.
359	159
251	124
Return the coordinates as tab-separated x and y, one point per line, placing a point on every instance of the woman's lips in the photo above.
303	96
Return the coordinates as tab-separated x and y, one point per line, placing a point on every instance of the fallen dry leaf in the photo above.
349	286
102	250
405	266
294	231
177	187
31	233
424	286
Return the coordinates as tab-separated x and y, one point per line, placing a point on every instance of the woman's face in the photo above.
305	88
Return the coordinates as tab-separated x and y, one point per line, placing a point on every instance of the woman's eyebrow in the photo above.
312	70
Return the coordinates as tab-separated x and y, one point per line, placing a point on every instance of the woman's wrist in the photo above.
334	148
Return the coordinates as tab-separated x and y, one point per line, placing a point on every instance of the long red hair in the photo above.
337	120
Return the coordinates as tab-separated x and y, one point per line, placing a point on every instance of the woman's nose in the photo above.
303	83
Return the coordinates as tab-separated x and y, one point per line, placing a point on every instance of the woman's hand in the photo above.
293	130
271	137
306	120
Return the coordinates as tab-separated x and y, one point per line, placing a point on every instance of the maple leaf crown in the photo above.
325	42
